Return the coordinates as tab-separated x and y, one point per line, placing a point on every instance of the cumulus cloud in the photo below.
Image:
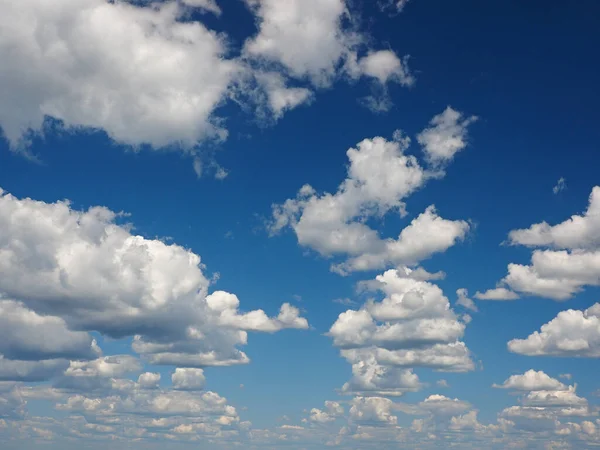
568	261
412	326
161	77
90	273
372	409
154	80
446	136
570	333
545	400
578	232
380	177
188	379
463	299
26	335
532	381
332	411
149	380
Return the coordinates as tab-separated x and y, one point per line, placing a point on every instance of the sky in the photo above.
299	224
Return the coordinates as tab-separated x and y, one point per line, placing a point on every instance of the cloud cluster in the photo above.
412	326
545	401
565	260
161	74
64	273
381	175
572	333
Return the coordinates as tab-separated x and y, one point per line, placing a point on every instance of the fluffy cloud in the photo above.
91	273
161	76
332	411
372	409
498	293
532	381
330	43
568	261
440	405
570	333
380	177
371	378
280	97
154	80
26	335
546	401
446	136
149	380
412	326
208	5
188	379
578	232
31	371
464	300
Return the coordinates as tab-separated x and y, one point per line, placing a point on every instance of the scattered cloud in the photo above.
569	258
561	185
380	176
573	333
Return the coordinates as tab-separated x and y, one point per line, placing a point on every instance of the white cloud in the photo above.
569	261
208	5
149	380
532	381
465	422
578	232
570	333
332	411
384	65
18	370
440	405
380	176
372	409
188	379
464	300
138	73
412	326
106	366
546	401
561	185
26	335
498	293
281	98
317	25
329	43
371	378
93	274
446	136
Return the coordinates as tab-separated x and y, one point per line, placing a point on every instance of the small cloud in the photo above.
561	185
229	235
464	300
344	301
221	173
498	294
565	376
297	297
392	6
241	386
442	383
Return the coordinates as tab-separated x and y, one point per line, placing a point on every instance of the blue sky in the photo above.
203	122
